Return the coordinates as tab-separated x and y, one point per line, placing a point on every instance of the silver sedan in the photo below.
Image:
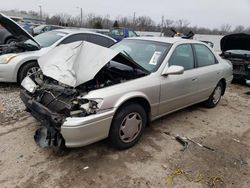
140	80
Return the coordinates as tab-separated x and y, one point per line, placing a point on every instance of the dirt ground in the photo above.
156	161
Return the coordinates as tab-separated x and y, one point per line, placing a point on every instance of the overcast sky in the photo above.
205	13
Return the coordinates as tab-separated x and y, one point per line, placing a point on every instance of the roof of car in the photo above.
75	31
170	40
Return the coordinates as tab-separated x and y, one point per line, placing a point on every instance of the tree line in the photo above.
139	23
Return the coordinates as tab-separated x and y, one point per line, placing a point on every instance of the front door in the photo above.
177	90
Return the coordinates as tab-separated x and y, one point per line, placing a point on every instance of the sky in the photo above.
201	13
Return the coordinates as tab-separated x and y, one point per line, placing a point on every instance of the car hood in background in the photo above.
239	41
76	63
17	31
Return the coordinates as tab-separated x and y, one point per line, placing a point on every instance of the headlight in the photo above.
29	85
91	106
4	59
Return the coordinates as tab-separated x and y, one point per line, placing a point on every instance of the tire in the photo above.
10	40
25	70
123	135
215	97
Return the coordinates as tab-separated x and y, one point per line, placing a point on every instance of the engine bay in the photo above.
69	101
17	48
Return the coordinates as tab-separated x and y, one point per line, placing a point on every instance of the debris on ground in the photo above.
212	181
184	141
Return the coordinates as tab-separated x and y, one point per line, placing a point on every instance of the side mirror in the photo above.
172	70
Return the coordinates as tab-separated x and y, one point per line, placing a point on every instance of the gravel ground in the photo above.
156	161
11	106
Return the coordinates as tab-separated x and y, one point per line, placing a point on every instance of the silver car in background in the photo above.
19	59
114	93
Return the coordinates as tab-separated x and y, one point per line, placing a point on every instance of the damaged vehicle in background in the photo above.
89	93
236	49
19	59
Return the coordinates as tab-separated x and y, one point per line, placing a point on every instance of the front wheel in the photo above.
28	69
215	97
127	126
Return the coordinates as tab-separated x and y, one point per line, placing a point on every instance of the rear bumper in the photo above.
76	131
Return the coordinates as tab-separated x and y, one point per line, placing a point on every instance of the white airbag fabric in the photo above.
75	63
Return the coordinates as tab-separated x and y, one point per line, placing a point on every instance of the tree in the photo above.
225	28
98	25
116	24
239	29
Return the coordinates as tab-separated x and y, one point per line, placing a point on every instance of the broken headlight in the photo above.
29	85
87	106
91	106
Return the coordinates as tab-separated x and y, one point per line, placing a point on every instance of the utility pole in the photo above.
134	20
41	14
81	15
162	25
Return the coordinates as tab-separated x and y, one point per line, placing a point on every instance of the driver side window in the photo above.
183	56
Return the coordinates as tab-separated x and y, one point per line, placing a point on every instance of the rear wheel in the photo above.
127	126
27	70
215	97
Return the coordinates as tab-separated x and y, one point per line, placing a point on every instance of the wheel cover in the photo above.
130	127
217	95
36	71
32	71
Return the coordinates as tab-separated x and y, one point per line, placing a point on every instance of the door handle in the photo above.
194	79
218	72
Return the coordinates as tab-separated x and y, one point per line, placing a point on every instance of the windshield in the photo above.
148	54
39	28
47	39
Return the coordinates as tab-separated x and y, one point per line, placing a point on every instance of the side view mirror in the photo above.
172	70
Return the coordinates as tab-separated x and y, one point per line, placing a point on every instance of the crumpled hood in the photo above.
239	41
75	63
17	31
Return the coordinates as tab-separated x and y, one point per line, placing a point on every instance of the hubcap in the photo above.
33	70
130	127
217	95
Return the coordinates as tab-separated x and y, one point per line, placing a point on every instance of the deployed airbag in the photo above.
75	63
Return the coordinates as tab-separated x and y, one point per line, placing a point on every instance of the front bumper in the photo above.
8	72
76	131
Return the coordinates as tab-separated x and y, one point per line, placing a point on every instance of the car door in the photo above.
209	71
177	90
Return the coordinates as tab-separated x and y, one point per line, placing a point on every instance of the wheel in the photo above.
215	97
10	40
127	126
27	70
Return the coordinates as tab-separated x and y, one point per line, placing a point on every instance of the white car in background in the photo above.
18	60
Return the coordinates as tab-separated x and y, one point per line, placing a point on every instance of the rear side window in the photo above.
75	38
101	40
204	56
183	56
96	39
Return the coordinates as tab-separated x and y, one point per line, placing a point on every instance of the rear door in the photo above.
177	90
209	71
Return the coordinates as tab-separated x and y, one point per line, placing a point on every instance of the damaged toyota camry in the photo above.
89	93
